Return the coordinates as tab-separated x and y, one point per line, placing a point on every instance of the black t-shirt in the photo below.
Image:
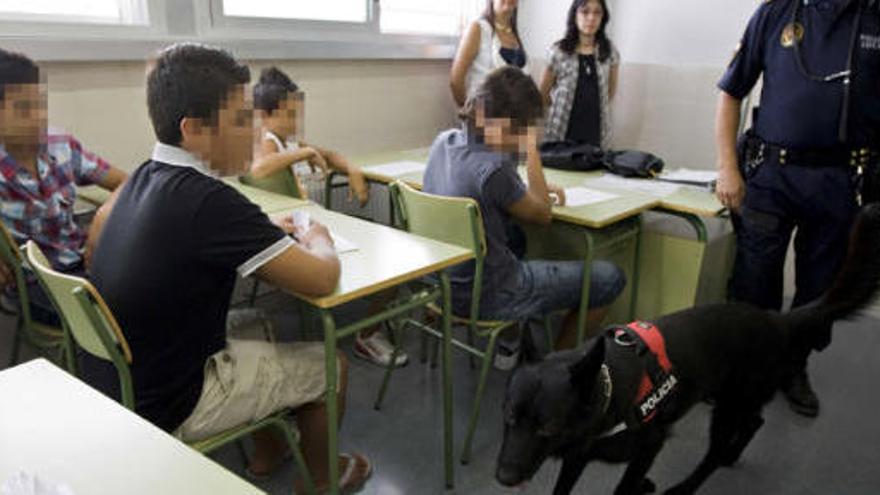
166	265
584	123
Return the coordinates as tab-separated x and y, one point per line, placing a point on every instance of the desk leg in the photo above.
634	283
447	381
585	288
330	400
695	221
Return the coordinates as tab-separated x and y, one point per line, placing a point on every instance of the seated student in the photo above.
166	262
480	162
39	170
279	102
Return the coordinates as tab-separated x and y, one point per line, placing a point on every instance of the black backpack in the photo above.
569	155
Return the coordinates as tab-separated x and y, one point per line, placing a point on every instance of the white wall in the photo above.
680	32
354	106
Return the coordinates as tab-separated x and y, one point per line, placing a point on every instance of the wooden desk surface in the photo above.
385	257
686	200
269	202
60	429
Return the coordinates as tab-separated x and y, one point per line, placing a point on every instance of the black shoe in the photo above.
801	397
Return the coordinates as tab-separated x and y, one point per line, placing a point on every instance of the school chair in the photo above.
47	339
454	221
91	323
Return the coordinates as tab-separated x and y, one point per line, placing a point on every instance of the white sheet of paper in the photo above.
647	186
581	196
342	244
691	175
25	483
396	169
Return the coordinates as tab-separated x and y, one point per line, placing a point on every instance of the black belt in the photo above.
833	157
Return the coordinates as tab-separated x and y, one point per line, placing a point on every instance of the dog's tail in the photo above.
857	282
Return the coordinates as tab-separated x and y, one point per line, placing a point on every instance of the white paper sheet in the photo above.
396	169
647	186
581	196
342	244
24	483
691	175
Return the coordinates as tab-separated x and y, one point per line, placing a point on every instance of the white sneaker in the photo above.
506	356
378	350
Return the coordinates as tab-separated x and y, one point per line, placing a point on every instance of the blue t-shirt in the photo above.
461	167
795	111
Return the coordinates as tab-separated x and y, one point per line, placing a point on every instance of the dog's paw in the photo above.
648	486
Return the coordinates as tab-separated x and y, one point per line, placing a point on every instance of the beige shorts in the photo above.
250	380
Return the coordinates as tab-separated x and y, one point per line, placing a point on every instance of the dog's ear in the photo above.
587	367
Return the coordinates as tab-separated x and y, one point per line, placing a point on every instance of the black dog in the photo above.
582	405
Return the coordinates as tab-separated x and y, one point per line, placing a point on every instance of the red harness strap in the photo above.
650	335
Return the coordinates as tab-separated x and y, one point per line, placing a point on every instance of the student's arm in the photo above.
97	227
730	188
112	179
357	184
613	75
547	82
535	206
461	64
270	160
310	268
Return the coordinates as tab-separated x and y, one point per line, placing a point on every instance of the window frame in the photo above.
250	39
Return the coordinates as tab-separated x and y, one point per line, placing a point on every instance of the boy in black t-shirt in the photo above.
170	245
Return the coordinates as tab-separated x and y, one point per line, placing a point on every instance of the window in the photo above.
124	12
317	10
446	18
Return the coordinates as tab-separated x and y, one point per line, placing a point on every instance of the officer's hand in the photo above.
730	188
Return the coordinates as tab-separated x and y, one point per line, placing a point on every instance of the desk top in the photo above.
58	428
269	202
597	215
385	257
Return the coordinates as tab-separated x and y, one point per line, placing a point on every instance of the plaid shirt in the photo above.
41	208
566	68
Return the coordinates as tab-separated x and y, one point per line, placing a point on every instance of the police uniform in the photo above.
815	133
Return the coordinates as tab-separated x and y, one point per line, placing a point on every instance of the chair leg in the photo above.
470	340
548	332
475	413
297	456
16	342
395	331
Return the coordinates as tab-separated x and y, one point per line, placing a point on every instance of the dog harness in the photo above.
658	382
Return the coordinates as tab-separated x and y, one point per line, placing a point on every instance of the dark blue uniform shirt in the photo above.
796	112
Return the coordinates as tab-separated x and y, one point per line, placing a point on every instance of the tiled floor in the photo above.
838	453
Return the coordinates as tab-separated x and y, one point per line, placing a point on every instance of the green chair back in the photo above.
281	182
85	316
452	220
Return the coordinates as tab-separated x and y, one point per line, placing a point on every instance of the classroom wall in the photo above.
352	106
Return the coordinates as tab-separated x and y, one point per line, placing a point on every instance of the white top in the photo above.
488	58
59	429
300	168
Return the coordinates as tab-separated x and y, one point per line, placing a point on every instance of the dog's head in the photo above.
550	407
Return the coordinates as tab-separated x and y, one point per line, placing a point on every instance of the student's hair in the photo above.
569	42
16	68
190	80
507	93
273	87
489	15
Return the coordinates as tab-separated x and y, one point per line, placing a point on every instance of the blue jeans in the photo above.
543	287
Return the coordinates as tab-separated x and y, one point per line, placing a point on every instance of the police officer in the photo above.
800	168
